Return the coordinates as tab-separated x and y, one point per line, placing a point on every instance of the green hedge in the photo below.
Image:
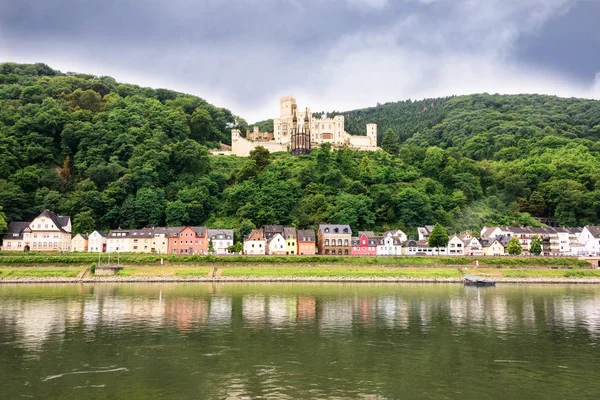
132	258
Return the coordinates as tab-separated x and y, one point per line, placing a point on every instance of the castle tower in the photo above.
372	134
300	135
286	106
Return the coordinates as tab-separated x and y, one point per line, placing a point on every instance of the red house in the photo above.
364	245
188	240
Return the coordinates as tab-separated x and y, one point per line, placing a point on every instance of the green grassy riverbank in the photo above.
401	261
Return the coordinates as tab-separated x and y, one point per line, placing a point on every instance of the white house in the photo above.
276	245
456	246
397	233
590	238
421	248
424	232
472	245
97	242
389	245
255	244
221	240
495	246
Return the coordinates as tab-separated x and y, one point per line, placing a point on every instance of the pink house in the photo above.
364	245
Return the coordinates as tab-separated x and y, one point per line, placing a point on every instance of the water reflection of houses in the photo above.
306	309
254	309
393	311
337	315
281	310
184	313
39	322
220	311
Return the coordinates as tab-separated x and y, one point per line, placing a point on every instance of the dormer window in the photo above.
345	230
326	230
336	230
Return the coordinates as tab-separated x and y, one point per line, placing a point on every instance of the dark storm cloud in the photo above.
244	54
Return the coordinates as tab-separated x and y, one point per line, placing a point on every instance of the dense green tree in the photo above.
536	246
390	142
438	237
84	222
176	213
514	247
261	157
3	224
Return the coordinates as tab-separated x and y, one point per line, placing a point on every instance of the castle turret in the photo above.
372	134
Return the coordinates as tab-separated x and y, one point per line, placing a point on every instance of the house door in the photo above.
26	249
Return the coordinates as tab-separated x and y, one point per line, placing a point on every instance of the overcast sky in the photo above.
329	54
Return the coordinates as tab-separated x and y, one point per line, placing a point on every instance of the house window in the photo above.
326	242
345	242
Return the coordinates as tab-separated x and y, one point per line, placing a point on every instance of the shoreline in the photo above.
175	279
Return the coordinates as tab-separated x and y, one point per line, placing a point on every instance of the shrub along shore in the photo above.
290	273
399	261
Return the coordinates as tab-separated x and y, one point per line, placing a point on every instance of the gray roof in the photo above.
368	234
273	229
15	230
287	232
59	220
306	235
226	234
344	229
594	230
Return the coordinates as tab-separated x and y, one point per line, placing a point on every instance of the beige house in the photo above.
79	242
47	232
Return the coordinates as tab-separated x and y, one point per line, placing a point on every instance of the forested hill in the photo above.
117	155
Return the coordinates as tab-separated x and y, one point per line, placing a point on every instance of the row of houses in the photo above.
51	232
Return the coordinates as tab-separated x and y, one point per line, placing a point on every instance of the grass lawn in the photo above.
35	272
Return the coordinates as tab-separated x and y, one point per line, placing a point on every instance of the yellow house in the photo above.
494	246
79	242
290	236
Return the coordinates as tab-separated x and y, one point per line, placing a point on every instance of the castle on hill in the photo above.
293	127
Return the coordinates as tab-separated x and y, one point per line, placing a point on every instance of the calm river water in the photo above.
293	341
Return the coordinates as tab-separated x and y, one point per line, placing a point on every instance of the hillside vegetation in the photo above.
117	155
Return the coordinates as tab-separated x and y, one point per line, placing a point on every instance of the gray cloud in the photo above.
331	54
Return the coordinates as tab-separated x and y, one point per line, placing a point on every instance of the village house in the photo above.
306	242
188	240
131	240
271	230
255	243
494	247
398	233
97	242
47	232
335	239
221	240
276	245
389	244
291	241
590	239
79	242
472	245
421	248
555	241
424	232
455	246
365	244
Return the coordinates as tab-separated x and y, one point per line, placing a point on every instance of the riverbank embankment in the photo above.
176	279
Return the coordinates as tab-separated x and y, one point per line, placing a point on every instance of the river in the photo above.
299	341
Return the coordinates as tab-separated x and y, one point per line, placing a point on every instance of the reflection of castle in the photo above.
298	131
